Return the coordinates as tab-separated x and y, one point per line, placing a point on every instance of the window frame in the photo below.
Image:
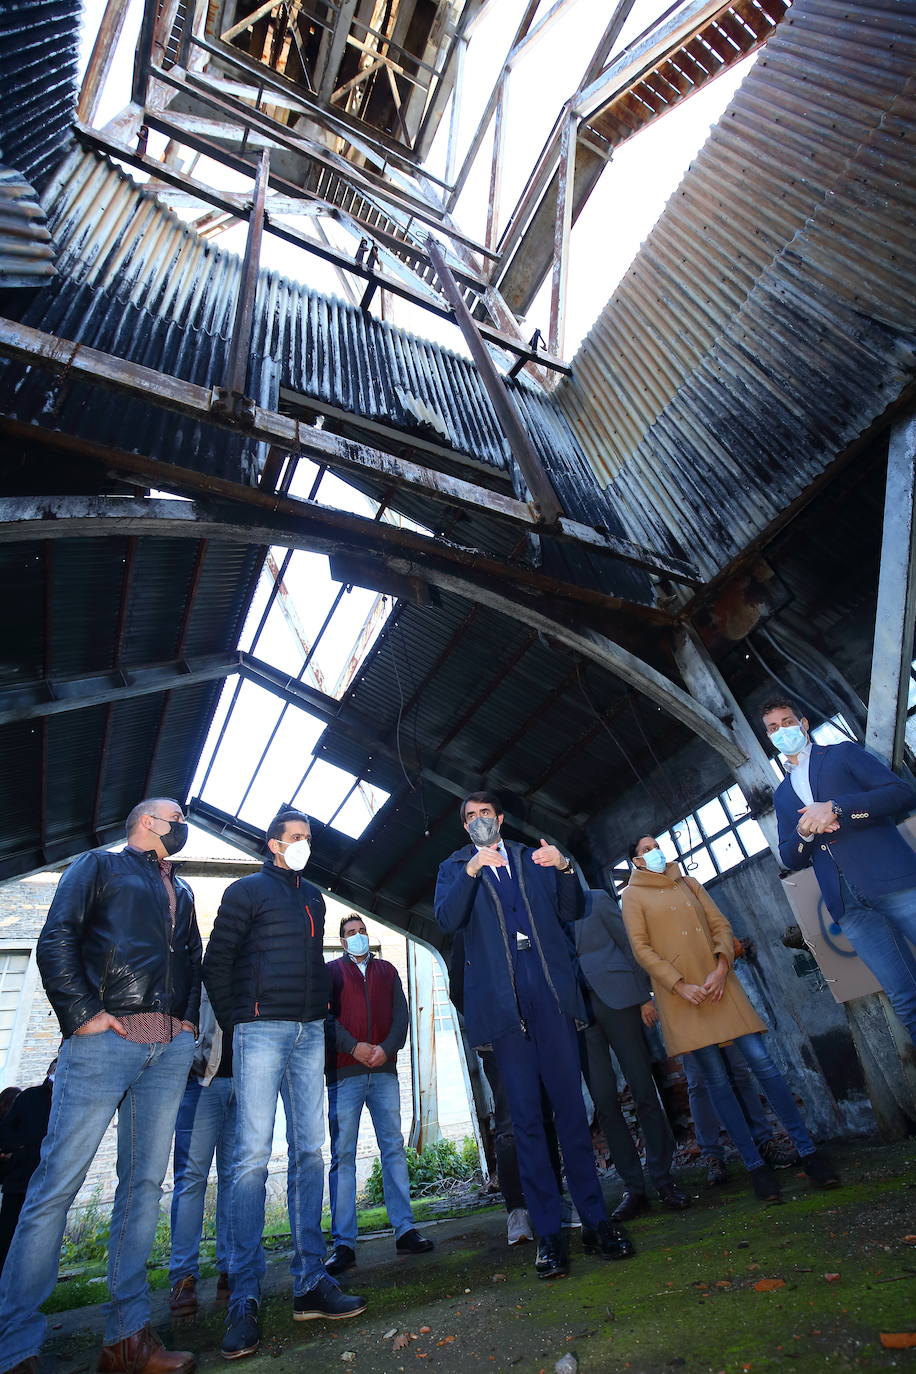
9	1069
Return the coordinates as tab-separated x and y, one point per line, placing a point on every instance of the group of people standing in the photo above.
540	958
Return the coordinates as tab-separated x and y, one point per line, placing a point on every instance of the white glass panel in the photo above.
700	866
712	817
324	790
255	715
727	851
833	731
281	772
666	845
736	802
752	837
356	813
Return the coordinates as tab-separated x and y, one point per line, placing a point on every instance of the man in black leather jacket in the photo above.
268	985
119	957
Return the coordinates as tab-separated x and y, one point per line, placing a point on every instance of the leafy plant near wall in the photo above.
440	1168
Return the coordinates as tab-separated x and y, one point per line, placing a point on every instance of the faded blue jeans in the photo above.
97	1075
379	1092
705	1118
271	1060
205	1125
772	1085
878	929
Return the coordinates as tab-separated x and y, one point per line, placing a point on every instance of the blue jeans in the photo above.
274	1059
205	1124
878	929
379	1092
705	1119
772	1084
97	1075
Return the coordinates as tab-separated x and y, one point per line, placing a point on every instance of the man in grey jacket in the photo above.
620	999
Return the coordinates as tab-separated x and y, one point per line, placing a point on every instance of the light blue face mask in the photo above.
791	739
655	861
357	945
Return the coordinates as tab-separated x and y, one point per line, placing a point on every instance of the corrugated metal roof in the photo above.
39	49
26	253
770	317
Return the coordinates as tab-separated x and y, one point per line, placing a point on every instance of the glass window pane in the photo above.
752	837
727	851
281	772
911	694
687	834
736	802
324	790
357	812
712	817
256	712
666	845
833	731
700	865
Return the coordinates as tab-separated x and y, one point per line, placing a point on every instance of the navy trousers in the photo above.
548	1054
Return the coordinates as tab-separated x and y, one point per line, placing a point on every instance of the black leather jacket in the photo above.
107	944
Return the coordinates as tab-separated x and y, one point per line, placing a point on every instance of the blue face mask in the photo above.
357	945
789	740
655	861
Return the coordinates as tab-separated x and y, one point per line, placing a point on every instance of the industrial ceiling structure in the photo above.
578	574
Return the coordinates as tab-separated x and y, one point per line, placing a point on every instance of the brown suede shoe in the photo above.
27	1366
183	1297
144	1353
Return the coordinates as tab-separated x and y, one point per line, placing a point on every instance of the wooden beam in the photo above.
200	403
101	59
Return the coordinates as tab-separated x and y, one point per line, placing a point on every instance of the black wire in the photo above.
397	727
814	711
655	799
421	793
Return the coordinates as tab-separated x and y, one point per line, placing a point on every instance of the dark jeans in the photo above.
548	1054
10	1207
510	1184
621	1031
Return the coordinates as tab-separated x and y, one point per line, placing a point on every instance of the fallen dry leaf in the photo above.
832	1278
898	1340
723	1283
390	1335
768	1285
909	1240
446	1340
424	1330
401	1342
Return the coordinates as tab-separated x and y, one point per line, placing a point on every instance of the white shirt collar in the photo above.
801	758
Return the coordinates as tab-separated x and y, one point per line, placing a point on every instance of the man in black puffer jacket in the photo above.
119	957
266	978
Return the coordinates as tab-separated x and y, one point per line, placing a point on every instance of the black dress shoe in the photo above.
765	1185
551	1261
820	1171
342	1259
630	1206
671	1195
412	1243
607	1241
326	1300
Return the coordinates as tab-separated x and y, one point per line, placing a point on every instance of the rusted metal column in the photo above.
894	616
240	344
496	165
510	420
103	51
561	235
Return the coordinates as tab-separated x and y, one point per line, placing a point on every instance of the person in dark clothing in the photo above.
619	995
522	995
368	1025
268	984
119	957
22	1129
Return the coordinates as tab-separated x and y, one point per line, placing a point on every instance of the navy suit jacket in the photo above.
606	962
867	850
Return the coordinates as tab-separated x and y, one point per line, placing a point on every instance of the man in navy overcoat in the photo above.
837	811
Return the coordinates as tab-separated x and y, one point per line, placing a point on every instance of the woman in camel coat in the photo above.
686	945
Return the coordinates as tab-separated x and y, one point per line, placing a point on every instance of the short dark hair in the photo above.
780	704
486	799
632	848
345	921
143	809
282	819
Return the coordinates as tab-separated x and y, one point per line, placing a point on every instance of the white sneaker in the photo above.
518	1227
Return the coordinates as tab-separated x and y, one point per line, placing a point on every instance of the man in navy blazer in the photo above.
522	997
837	811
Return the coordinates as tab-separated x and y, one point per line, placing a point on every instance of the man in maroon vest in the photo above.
369	1018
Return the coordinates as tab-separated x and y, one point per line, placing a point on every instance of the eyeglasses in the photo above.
169	820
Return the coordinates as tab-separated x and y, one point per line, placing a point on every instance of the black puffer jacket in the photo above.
265	957
108	945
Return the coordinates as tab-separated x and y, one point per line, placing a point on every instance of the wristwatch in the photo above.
569	866
837	811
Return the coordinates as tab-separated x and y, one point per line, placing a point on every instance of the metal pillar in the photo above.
894	617
562	230
424	1129
240	343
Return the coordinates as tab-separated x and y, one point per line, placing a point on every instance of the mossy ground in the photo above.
687	1301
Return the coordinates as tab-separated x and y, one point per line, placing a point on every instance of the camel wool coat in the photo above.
676	930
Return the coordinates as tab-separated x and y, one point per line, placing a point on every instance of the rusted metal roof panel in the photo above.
26	252
770	316
39	48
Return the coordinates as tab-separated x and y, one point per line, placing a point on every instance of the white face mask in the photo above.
297	854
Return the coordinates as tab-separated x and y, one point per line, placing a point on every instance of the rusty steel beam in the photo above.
562	231
239	354
210	406
545	498
101	59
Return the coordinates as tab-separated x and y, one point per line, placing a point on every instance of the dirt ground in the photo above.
840	1269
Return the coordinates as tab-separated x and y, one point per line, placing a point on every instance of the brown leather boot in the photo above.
183	1297
144	1353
